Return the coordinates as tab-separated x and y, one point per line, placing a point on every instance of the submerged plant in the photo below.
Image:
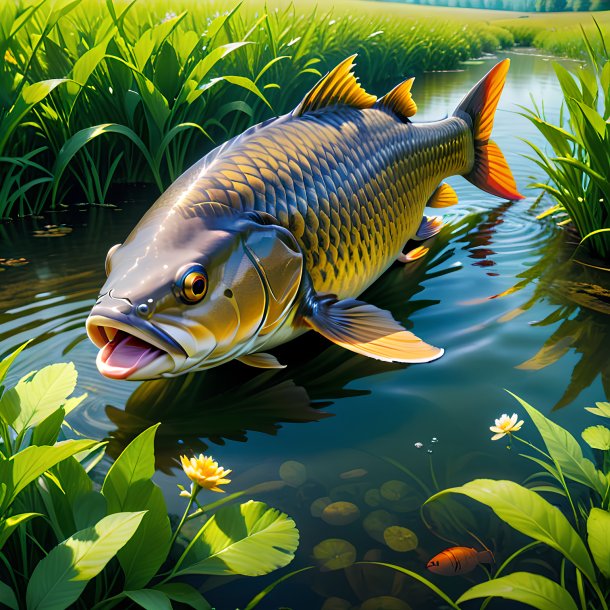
579	166
59	530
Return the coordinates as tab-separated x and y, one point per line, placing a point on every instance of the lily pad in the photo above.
400	538
376	522
394	490
13	262
601	408
372	497
384	602
334	554
356	473
340	513
318	505
294	473
53	231
336	603
597	437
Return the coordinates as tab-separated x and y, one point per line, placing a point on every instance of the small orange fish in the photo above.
458	560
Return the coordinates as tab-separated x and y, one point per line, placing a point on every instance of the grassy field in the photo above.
94	94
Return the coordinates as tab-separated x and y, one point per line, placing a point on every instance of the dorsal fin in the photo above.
399	100
339	86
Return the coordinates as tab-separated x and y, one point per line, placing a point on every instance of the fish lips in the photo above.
132	348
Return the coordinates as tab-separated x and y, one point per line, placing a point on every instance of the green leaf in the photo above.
185	594
47	431
8	597
5	364
36	397
27	465
150	599
249	539
10	524
531	589
530	514
597	437
128	486
598	530
601	408
59	578
28	98
565	450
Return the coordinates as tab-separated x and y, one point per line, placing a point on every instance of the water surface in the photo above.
334	411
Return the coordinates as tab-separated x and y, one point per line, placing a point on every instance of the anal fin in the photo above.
413	255
368	330
429	227
261	360
443	197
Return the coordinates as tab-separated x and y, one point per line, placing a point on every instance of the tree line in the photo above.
522	5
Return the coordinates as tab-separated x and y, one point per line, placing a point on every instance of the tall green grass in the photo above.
579	166
94	94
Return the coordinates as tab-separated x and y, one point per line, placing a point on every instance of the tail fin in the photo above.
485	557
490	171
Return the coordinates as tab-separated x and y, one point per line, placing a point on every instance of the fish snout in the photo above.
111	303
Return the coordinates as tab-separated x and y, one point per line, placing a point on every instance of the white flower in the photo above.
505	425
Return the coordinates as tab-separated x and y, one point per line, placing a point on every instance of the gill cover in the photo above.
279	260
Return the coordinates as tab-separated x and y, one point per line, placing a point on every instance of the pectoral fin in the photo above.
429	227
261	361
443	197
413	255
369	331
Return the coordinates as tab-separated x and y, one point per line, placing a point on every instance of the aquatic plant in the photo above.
66	541
578	172
94	94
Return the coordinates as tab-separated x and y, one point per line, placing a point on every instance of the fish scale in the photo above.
350	184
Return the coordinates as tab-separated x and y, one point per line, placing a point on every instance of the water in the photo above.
333	411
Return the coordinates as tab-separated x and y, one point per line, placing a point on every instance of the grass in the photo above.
94	94
578	168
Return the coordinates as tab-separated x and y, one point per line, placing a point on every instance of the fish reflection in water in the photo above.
581	303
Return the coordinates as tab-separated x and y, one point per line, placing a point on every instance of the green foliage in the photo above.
578	164
95	93
60	531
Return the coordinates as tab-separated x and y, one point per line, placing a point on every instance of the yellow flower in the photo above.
505	425
9	58
205	472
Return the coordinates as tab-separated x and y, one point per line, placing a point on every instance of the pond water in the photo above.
336	412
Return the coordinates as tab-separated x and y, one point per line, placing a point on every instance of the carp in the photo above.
278	230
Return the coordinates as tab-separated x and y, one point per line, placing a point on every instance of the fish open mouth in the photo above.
126	352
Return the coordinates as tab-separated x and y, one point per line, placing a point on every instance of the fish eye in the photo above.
107	264
193	284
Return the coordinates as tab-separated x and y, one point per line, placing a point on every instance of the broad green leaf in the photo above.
185	594
10	524
597	437
27	465
565	450
150	599
530	514
128	486
47	431
5	364
531	589
90	508
59	578
598	530
601	408
36	397
249	539
8	597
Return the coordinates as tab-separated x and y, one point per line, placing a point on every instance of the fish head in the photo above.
193	296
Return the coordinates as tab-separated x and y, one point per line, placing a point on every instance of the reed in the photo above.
579	165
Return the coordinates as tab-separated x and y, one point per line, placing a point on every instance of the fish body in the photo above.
276	231
458	560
